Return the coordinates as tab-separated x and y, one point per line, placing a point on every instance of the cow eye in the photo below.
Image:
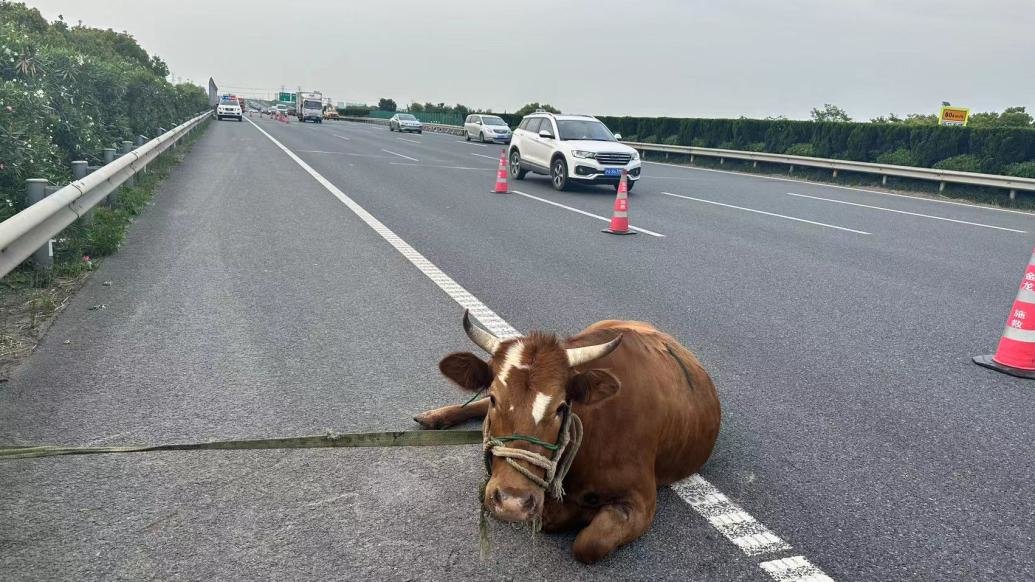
492	399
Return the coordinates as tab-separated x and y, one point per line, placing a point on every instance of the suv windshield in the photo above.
407	117
493	120
583	129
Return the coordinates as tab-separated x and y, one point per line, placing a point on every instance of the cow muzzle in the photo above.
514	504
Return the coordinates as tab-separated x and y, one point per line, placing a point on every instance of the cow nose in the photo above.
514	504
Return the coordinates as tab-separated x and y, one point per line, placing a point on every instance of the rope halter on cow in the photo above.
569	439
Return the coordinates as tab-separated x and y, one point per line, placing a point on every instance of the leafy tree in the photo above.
67	92
829	113
533	107
386	104
416	107
1015	117
921	119
461	110
891	118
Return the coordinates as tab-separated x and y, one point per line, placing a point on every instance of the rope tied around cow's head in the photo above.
568	442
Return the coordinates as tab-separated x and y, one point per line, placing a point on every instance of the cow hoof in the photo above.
428	421
589	552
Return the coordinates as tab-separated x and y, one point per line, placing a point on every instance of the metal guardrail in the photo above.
1011	183
31	230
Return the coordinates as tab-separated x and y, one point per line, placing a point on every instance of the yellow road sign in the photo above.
953	116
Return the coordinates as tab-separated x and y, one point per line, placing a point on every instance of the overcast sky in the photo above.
694	58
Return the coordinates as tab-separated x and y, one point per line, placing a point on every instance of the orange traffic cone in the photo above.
1016	352
501	175
620	216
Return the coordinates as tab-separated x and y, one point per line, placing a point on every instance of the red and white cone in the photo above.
1016	352
620	216
501	175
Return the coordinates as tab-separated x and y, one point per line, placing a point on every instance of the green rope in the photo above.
531	439
473	398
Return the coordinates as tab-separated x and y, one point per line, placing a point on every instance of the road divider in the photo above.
773	214
906	212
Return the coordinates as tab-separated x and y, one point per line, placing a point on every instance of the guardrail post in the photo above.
36	190
834	174
80	169
1013	194
127	146
109	155
141	140
884	180
722	161
792	170
941	186
691	159
754	164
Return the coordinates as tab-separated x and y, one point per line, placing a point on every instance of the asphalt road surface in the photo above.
250	301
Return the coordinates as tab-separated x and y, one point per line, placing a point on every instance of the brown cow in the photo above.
649	416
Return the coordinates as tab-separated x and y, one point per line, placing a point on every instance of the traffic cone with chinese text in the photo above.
620	216
501	175
1016	352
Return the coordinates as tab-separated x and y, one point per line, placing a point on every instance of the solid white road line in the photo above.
766	213
905	212
409	140
838	186
481	145
705	495
342	137
485	156
794	569
400	155
584	213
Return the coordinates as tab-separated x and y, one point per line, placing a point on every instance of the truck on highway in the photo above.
310	107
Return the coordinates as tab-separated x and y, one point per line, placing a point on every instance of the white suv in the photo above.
228	109
571	148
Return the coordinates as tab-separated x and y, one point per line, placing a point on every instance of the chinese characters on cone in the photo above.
1016	352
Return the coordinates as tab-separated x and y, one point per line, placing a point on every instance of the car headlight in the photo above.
583	154
635	155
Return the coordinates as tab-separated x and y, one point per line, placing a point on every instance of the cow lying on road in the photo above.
644	409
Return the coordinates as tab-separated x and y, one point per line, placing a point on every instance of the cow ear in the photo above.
467	371
593	386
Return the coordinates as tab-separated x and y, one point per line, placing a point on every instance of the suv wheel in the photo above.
516	171
559	174
467	135
482	136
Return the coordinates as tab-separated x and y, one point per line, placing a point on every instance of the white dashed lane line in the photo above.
584	213
942	218
400	155
342	137
773	214
409	140
753	538
485	156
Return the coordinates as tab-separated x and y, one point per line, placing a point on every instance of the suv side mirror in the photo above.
618	136
545	133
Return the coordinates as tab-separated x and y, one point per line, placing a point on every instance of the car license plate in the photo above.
612	171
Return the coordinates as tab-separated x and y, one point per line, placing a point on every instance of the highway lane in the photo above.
249	302
855	426
843	359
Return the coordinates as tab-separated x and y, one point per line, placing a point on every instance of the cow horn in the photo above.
479	336
586	354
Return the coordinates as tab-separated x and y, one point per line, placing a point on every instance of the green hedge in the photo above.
1000	150
68	92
